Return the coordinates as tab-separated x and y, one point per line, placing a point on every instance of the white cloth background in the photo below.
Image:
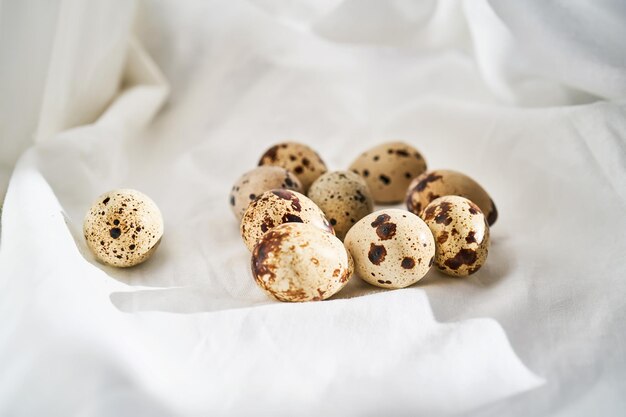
526	97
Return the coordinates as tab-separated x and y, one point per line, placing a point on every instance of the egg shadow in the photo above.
356	287
196	300
498	265
201	299
129	275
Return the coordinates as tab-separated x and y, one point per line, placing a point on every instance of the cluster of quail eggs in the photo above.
310	229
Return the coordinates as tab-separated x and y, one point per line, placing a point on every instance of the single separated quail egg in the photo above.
257	181
344	198
461	234
297	158
123	227
299	262
388	170
391	248
276	207
434	184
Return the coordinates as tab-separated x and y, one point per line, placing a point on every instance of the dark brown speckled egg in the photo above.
298	158
276	207
257	181
300	262
442	182
461	234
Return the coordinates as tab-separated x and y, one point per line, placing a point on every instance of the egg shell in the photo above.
257	181
391	248
388	170
344	198
299	262
276	207
298	158
441	182
123	227
461	234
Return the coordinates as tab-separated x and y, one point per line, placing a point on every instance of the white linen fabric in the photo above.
178	98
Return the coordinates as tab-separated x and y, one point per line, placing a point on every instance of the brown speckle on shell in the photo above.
267	248
270	154
423	182
386	231
384	228
383	218
463	257
493	213
377	254
408	263
291	218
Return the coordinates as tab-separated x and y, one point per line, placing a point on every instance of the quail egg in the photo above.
388	170
391	248
344	197
298	158
123	227
461	234
299	262
276	207
438	183
257	181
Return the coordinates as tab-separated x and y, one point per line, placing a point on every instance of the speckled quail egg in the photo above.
299	262
276	207
438	183
461	234
123	227
389	169
297	158
391	248
344	197
257	181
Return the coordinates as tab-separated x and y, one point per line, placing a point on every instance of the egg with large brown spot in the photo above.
461	234
391	248
123	227
344	197
276	207
298	158
439	183
255	182
299	262
388	170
